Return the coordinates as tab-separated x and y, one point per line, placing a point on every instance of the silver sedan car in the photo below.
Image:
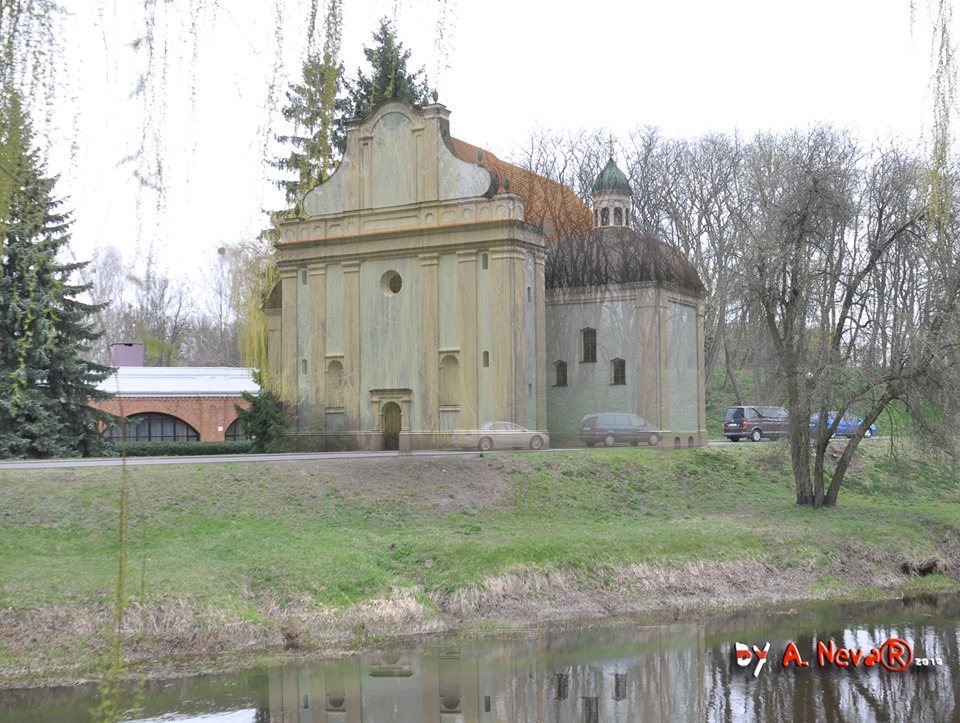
502	435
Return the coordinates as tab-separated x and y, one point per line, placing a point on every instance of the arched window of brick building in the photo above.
153	427
234	432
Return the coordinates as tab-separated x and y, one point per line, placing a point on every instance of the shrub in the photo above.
181	449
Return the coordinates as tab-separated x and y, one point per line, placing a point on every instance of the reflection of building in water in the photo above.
644	674
430	287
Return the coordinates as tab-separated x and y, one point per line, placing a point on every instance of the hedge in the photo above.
183	449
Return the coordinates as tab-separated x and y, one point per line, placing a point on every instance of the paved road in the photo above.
224	458
233	458
229	458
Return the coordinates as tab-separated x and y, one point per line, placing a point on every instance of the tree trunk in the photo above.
818	467
799	439
729	368
843	464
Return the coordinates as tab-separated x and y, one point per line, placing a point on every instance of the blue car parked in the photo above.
848	426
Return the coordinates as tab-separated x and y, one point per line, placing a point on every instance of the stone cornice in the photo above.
415	217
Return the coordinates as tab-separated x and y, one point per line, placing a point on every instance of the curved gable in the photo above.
548	204
398	155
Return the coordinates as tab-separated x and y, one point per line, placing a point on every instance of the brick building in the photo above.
177	404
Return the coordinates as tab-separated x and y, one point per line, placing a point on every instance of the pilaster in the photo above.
702	376
648	355
663	366
541	337
509	353
469	354
430	341
289	342
316	346
351	344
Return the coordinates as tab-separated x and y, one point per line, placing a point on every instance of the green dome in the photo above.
611	178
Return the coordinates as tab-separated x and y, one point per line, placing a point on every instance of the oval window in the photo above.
391	283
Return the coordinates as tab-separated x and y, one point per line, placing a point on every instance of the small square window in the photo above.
560	369
619	686
618	369
591	709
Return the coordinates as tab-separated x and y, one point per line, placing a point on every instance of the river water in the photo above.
882	662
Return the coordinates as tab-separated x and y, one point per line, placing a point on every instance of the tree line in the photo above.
180	321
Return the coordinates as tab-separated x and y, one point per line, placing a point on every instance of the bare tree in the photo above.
109	291
211	338
150	308
830	228
161	315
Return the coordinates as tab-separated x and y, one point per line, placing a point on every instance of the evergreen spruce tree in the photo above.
262	420
321	103
317	141
45	381
316	107
390	77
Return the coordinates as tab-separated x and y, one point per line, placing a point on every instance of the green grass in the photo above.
224	529
231	536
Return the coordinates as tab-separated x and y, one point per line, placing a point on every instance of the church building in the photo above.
429	288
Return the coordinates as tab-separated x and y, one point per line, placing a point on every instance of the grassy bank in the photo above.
246	559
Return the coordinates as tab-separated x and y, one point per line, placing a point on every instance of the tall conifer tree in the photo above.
320	104
390	77
45	381
316	107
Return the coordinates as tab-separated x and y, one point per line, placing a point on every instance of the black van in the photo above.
613	427
755	423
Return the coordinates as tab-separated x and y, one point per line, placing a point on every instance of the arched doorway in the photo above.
391	426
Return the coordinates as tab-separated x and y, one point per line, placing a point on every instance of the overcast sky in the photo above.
504	68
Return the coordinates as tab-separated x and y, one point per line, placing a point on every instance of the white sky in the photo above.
511	67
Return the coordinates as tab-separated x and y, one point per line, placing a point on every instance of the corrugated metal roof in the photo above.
180	382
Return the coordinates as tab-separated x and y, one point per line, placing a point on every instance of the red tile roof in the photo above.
548	204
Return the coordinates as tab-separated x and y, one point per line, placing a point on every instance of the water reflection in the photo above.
684	672
238	698
638	673
849	688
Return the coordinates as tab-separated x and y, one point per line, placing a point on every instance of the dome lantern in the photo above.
611	196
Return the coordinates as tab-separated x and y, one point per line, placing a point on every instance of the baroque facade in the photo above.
425	291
